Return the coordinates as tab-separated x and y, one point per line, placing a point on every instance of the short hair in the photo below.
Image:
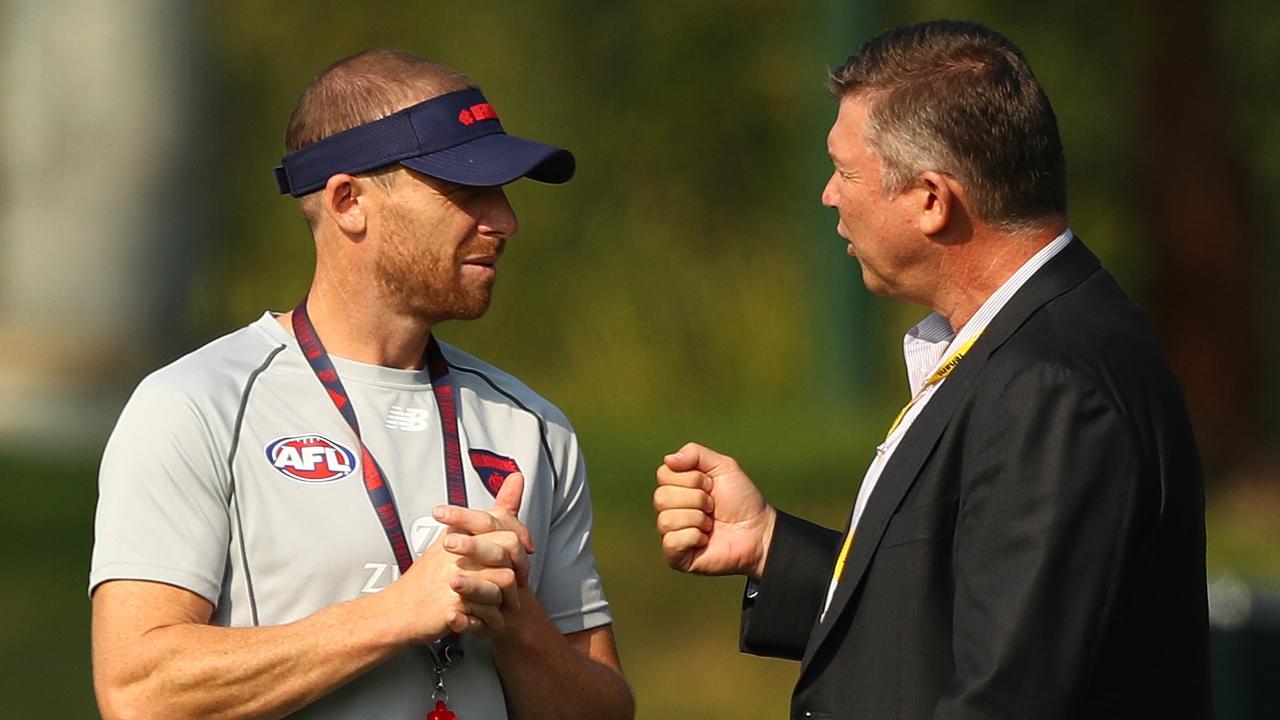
959	98
358	90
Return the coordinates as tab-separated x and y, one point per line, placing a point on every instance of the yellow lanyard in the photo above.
939	374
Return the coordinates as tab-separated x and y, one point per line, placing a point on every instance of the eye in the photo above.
461	194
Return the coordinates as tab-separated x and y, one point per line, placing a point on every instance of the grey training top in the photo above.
231	474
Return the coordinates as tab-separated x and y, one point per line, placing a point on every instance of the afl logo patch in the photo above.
311	458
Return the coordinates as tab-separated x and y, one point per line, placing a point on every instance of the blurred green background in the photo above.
686	284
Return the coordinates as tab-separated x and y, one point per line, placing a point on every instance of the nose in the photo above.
496	216
829	192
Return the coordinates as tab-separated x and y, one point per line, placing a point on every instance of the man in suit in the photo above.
1028	541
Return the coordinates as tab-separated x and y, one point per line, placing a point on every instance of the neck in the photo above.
981	266
363	331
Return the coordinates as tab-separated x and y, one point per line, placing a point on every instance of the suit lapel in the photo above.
1063	272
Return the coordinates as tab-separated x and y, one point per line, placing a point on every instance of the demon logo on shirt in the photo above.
492	468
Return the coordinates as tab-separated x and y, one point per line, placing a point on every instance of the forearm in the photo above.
776	622
544	676
196	670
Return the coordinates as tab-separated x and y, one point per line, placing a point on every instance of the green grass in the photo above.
46	532
677	634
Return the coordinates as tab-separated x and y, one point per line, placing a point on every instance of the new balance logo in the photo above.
408	419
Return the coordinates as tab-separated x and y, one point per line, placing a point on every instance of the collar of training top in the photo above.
454	137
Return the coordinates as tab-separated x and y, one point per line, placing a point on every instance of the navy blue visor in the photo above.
454	137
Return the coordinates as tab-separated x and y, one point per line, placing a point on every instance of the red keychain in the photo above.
442	712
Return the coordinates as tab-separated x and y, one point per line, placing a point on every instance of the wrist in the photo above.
766	539
525	628
387	624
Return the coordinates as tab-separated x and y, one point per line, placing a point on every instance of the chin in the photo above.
472	313
476	305
873	283
435	305
461	309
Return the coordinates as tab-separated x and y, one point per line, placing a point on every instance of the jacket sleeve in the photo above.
779	611
1053	509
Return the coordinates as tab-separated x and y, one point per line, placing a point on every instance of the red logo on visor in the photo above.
476	113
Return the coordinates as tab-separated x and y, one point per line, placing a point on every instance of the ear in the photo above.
937	198
341	199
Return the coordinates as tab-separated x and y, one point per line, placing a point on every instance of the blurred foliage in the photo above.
680	258
685	285
658	273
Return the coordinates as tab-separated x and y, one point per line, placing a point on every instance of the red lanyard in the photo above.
375	481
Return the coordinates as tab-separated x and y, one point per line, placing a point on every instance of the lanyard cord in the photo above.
939	374
375	481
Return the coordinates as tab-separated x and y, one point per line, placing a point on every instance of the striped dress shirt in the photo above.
924	348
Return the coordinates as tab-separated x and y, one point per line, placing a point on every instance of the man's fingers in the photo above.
506	509
700	457
475	589
511	596
521	570
686	458
486	619
670	497
492	586
511	493
507	520
458	621
465	520
681	518
501	516
495	549
678	542
688	478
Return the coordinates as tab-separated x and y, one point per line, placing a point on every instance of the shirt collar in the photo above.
927	343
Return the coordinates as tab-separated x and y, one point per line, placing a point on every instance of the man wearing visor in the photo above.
331	514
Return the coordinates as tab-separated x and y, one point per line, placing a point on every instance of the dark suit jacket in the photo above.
1034	549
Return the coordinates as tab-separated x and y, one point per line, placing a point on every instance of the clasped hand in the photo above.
492	548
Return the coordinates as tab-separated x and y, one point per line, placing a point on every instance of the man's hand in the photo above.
712	518
425	602
492	548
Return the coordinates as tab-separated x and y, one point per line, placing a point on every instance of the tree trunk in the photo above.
1195	194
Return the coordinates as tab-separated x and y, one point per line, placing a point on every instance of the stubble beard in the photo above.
426	282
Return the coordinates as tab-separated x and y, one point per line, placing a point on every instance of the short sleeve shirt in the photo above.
231	474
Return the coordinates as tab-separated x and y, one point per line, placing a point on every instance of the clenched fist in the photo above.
712	518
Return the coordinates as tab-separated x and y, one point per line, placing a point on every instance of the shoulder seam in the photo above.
231	471
1084	380
1095	383
542	425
